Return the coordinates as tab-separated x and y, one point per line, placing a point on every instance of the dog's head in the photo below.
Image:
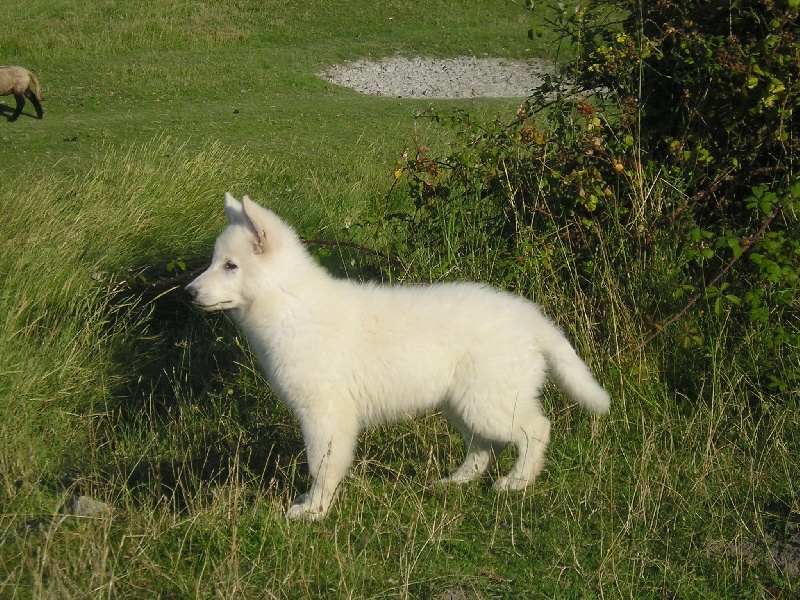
249	256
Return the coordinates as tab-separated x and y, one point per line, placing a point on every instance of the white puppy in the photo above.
344	356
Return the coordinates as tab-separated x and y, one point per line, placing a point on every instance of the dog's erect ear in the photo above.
233	210
251	212
238	215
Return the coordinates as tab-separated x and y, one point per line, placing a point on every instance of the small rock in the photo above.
85	506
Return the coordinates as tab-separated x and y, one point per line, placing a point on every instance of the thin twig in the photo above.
750	241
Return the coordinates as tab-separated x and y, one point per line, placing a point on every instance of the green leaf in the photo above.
733	244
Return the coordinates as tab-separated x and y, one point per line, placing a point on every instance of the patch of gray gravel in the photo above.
465	77
783	554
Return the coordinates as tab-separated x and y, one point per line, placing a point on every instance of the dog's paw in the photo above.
458	478
508	484
301	510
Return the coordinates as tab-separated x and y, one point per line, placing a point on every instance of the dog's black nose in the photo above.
190	291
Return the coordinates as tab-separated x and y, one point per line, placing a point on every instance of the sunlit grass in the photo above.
112	386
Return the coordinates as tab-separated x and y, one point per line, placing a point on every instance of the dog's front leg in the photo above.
330	445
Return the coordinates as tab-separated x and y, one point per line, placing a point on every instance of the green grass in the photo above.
242	74
112	386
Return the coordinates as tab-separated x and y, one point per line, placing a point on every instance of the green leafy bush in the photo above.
507	187
679	151
717	88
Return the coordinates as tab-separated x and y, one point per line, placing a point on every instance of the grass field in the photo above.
112	386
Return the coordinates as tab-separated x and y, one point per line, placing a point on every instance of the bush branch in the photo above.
750	241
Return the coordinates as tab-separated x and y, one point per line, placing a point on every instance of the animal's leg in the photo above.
36	105
480	451
20	98
329	449
531	442
480	454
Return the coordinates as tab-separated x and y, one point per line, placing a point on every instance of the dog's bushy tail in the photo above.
573	376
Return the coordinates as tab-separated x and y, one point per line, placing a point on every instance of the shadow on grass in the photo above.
190	410
187	411
6	111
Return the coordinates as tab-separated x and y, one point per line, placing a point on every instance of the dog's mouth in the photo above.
215	307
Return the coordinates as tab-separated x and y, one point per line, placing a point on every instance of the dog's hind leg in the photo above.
531	442
480	451
480	454
330	447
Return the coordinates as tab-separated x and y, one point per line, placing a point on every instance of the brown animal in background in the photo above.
18	81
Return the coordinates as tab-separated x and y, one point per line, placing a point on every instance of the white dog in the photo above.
344	356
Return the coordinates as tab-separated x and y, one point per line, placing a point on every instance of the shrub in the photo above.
679	153
716	85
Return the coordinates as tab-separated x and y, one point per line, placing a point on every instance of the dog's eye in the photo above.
230	266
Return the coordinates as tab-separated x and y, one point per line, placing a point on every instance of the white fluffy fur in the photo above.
345	356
